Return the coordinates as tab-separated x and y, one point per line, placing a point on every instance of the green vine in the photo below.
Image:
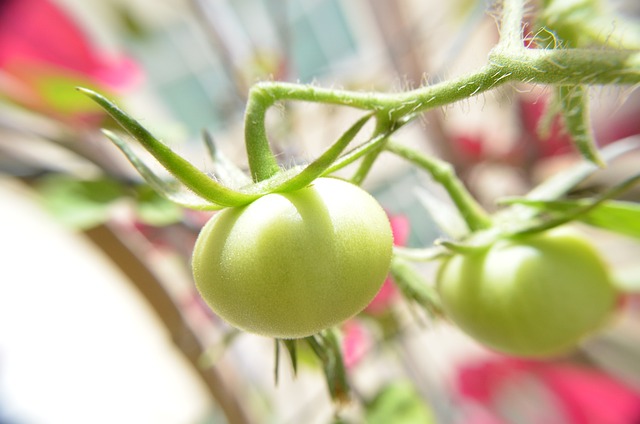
570	70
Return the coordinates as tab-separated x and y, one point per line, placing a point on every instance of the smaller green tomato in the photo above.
289	265
536	295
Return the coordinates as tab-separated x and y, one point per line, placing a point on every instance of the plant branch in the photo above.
442	172
262	162
506	64
569	66
382	126
511	25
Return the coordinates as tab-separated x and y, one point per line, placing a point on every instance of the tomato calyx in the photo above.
194	189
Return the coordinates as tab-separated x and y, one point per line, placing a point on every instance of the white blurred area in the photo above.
77	343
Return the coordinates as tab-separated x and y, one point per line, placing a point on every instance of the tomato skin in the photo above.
292	264
535	296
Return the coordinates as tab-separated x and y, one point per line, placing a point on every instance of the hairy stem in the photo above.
474	215
262	162
511	25
507	63
382	125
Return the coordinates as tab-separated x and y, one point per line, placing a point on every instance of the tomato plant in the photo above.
289	265
293	252
531	295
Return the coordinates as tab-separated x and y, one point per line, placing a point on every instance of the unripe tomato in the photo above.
291	264
535	295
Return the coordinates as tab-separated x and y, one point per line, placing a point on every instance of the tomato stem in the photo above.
382	126
262	161
442	172
410	282
575	111
196	180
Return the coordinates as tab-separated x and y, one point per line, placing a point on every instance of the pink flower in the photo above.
356	339
389	292
44	55
356	343
556	142
579	395
609	124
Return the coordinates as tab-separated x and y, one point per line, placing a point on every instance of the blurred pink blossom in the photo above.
389	292
44	55
534	145
356	339
580	395
356	342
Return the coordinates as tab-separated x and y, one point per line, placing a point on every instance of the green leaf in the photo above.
172	190
575	111
413	287
565	181
326	346
80	204
617	216
588	23
357	152
276	360
446	217
154	209
577	213
321	164
183	170
568	19
55	88
398	403
426	254
225	169
475	216
291	346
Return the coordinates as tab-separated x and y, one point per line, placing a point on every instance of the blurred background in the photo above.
99	319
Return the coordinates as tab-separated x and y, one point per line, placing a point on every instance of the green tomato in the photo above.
289	265
537	295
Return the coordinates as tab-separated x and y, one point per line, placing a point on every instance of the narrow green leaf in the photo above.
291	346
617	216
154	209
426	254
172	190
414	287
374	143
80	204
575	110
276	365
183	170
580	212
446	217
270	184
226	171
474	215
357	152
326	347
544	205
321	164
564	182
